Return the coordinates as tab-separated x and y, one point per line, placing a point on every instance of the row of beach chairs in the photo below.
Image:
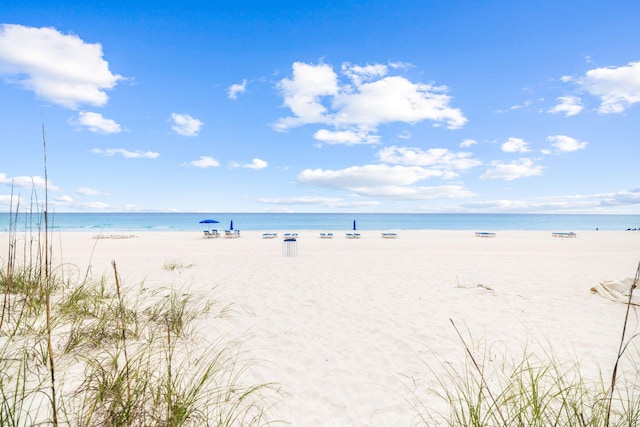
214	234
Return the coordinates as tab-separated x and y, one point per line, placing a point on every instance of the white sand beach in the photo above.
351	327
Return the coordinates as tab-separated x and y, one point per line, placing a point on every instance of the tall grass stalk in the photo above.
624	344
480	372
47	284
123	326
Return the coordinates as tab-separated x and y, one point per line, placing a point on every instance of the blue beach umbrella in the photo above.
209	221
354	224
231	225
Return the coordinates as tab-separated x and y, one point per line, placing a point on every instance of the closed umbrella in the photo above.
354	224
231	225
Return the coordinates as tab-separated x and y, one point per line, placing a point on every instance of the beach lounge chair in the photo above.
485	234
389	235
231	234
564	234
269	235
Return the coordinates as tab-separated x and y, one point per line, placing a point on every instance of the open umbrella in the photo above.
209	221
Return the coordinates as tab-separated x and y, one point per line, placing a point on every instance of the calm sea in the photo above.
108	222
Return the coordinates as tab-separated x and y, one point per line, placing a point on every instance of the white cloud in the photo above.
255	164
30	182
346	137
205	162
569	105
58	68
525	104
368	98
565	144
617	87
236	88
521	168
329	202
97	123
64	199
466	143
358	73
515	145
110	152
185	125
405	134
395	99
627	197
10	200
579	203
302	94
382	181
435	157
87	191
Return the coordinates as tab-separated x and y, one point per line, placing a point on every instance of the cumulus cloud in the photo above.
30	182
205	162
617	87
110	152
359	100
346	137
382	181
185	125
568	105
255	164
515	145
95	122
565	144
59	68
236	89
439	158
466	143
516	169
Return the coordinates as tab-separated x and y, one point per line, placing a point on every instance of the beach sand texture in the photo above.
346	324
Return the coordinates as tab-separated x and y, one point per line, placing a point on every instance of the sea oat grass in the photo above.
129	358
536	389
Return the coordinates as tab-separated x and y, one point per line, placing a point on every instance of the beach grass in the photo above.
123	357
494	388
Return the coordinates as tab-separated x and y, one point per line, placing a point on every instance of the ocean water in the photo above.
117	222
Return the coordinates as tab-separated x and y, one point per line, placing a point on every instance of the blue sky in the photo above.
333	106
